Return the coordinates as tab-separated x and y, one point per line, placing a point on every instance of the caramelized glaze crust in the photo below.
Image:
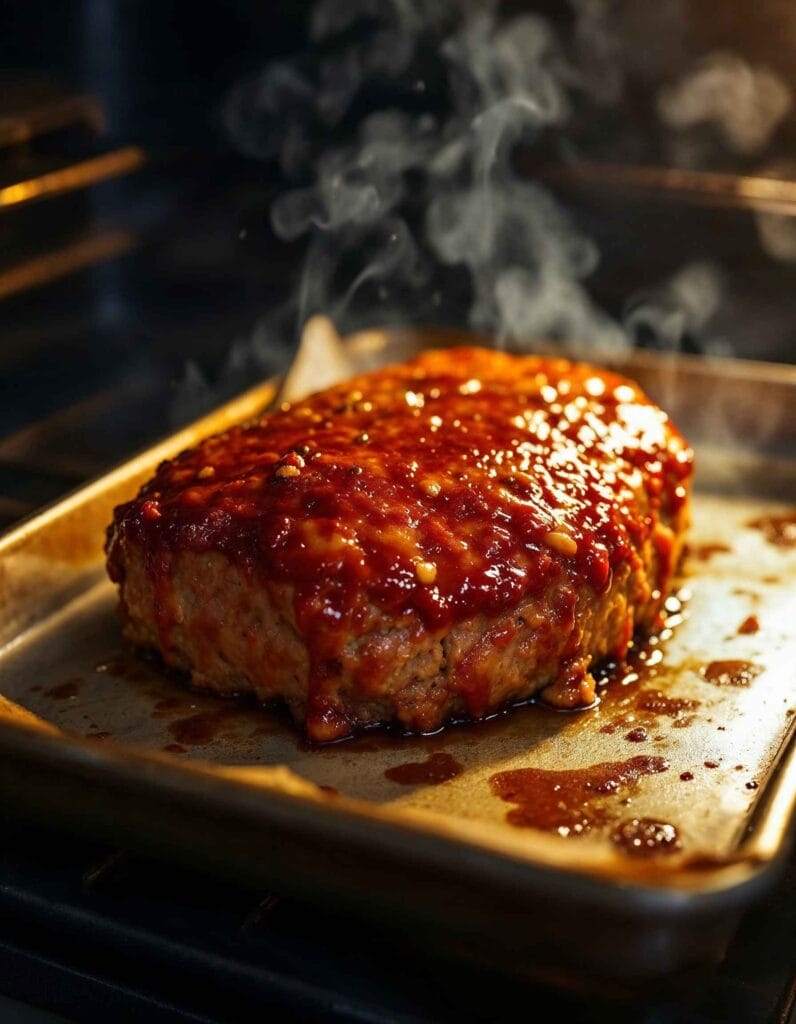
427	541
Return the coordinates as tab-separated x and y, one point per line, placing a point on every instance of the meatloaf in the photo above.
431	541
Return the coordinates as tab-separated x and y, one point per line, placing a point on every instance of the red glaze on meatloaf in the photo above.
429	541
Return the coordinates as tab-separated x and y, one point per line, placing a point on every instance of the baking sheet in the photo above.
63	662
74	673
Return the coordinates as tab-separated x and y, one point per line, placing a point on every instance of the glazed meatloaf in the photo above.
431	541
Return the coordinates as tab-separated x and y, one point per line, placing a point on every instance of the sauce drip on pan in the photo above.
166	706
428	493
704	552
126	666
751	624
574	801
658	703
730	673
63	691
204	727
645	837
627	691
779	530
438	768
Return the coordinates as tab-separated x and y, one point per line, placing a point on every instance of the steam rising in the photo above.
744	103
678	309
777	231
418	191
777	234
415	211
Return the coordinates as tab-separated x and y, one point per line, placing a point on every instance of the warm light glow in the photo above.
22	127
775	195
64	261
110	165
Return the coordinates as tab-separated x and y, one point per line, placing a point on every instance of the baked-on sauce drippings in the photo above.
204	727
456	484
779	530
628	694
650	704
128	666
166	706
704	552
751	624
63	691
730	673
438	768
571	801
645	837
658	703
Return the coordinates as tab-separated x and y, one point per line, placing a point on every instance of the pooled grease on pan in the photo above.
732	672
779	530
646	837
574	800
439	767
631	700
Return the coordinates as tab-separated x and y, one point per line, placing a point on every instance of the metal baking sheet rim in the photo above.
280	793
278	797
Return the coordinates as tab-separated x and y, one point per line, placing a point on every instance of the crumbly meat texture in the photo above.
432	541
